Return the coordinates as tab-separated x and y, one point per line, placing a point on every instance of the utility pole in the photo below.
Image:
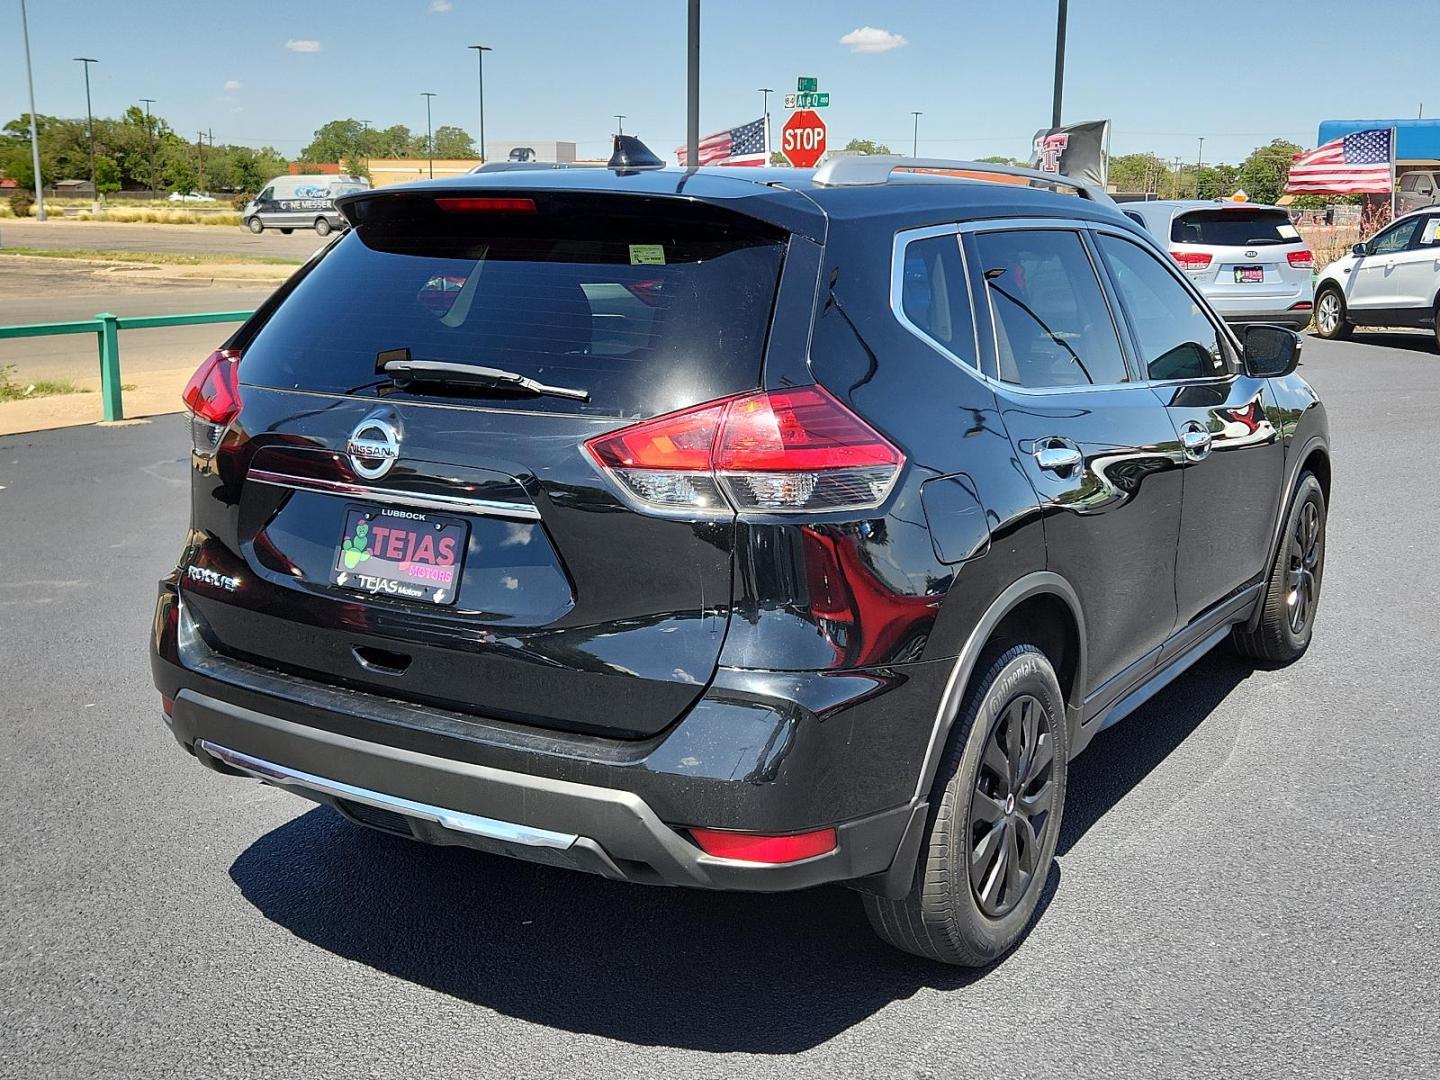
915	134
90	127
200	153
480	51
34	134
150	141
1175	175
365	143
619	122
429	133
692	85
1062	18
1199	159
765	93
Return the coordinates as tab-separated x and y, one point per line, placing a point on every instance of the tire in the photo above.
1292	592
287	232
322	227
1330	316
944	917
255	225
1435	325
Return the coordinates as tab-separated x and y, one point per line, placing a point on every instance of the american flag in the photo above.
1359	162
743	145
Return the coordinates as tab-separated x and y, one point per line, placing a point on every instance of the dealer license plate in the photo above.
400	553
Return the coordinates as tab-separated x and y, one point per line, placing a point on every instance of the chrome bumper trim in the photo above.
504	831
454	503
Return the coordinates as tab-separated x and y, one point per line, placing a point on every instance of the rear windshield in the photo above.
1234	228
648	307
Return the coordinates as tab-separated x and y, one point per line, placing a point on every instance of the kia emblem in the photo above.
1251	254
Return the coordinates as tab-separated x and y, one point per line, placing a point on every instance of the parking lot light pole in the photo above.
90	127
915	135
429	134
692	85
1062	17
34	136
150	139
480	51
765	92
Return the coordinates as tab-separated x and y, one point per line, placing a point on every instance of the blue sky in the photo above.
1239	74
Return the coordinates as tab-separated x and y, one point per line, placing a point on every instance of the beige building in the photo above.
387	171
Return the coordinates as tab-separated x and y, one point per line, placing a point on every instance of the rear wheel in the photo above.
322	227
994	819
1330	315
1292	594
255	225
1435	325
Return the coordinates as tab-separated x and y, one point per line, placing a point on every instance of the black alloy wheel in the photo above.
1303	577
1010	805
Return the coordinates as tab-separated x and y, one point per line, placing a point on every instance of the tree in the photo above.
107	174
777	158
354	166
454	142
1264	172
1135	173
1001	159
335	141
867	146
394	141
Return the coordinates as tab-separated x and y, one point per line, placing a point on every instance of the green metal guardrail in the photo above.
106	328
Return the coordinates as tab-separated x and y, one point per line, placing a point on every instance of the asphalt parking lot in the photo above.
1247	882
176	239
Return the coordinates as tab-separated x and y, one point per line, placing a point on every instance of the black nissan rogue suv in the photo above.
741	529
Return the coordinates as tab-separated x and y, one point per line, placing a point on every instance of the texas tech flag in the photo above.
1076	150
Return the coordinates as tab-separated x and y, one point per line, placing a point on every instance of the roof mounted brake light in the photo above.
485	205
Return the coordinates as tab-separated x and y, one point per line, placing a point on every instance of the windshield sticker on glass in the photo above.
647	255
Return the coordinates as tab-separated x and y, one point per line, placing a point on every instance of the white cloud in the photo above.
869	39
233	84
302	45
238	108
441	5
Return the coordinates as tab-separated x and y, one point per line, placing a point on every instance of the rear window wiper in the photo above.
451	373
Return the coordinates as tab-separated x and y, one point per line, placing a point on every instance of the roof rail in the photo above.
862	171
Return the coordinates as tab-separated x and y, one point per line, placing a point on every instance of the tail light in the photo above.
753	847
770	452
1191	260
1300	258
213	397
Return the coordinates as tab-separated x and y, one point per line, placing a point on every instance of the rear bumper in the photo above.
608	807
1279	310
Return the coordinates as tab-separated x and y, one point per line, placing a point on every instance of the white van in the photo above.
306	201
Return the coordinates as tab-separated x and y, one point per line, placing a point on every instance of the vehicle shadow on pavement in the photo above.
1121	757
722	972
725	972
1417	341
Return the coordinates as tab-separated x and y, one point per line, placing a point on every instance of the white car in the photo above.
1249	260
1392	279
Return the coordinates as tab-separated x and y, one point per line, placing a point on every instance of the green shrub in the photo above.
239	201
20	202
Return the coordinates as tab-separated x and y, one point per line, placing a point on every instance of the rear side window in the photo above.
1177	340
648	307
1234	228
934	296
1052	323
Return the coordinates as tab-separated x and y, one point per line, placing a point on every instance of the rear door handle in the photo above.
1196	440
1057	457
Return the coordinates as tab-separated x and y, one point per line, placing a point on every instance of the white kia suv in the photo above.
1392	279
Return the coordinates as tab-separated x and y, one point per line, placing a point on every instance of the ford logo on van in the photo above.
373	447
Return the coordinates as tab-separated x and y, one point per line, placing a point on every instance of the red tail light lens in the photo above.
1300	258
213	397
1191	260
777	451
213	392
753	847
486	206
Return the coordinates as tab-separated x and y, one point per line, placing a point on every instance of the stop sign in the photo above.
802	139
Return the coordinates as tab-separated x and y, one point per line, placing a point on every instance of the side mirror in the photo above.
1270	351
1359	249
